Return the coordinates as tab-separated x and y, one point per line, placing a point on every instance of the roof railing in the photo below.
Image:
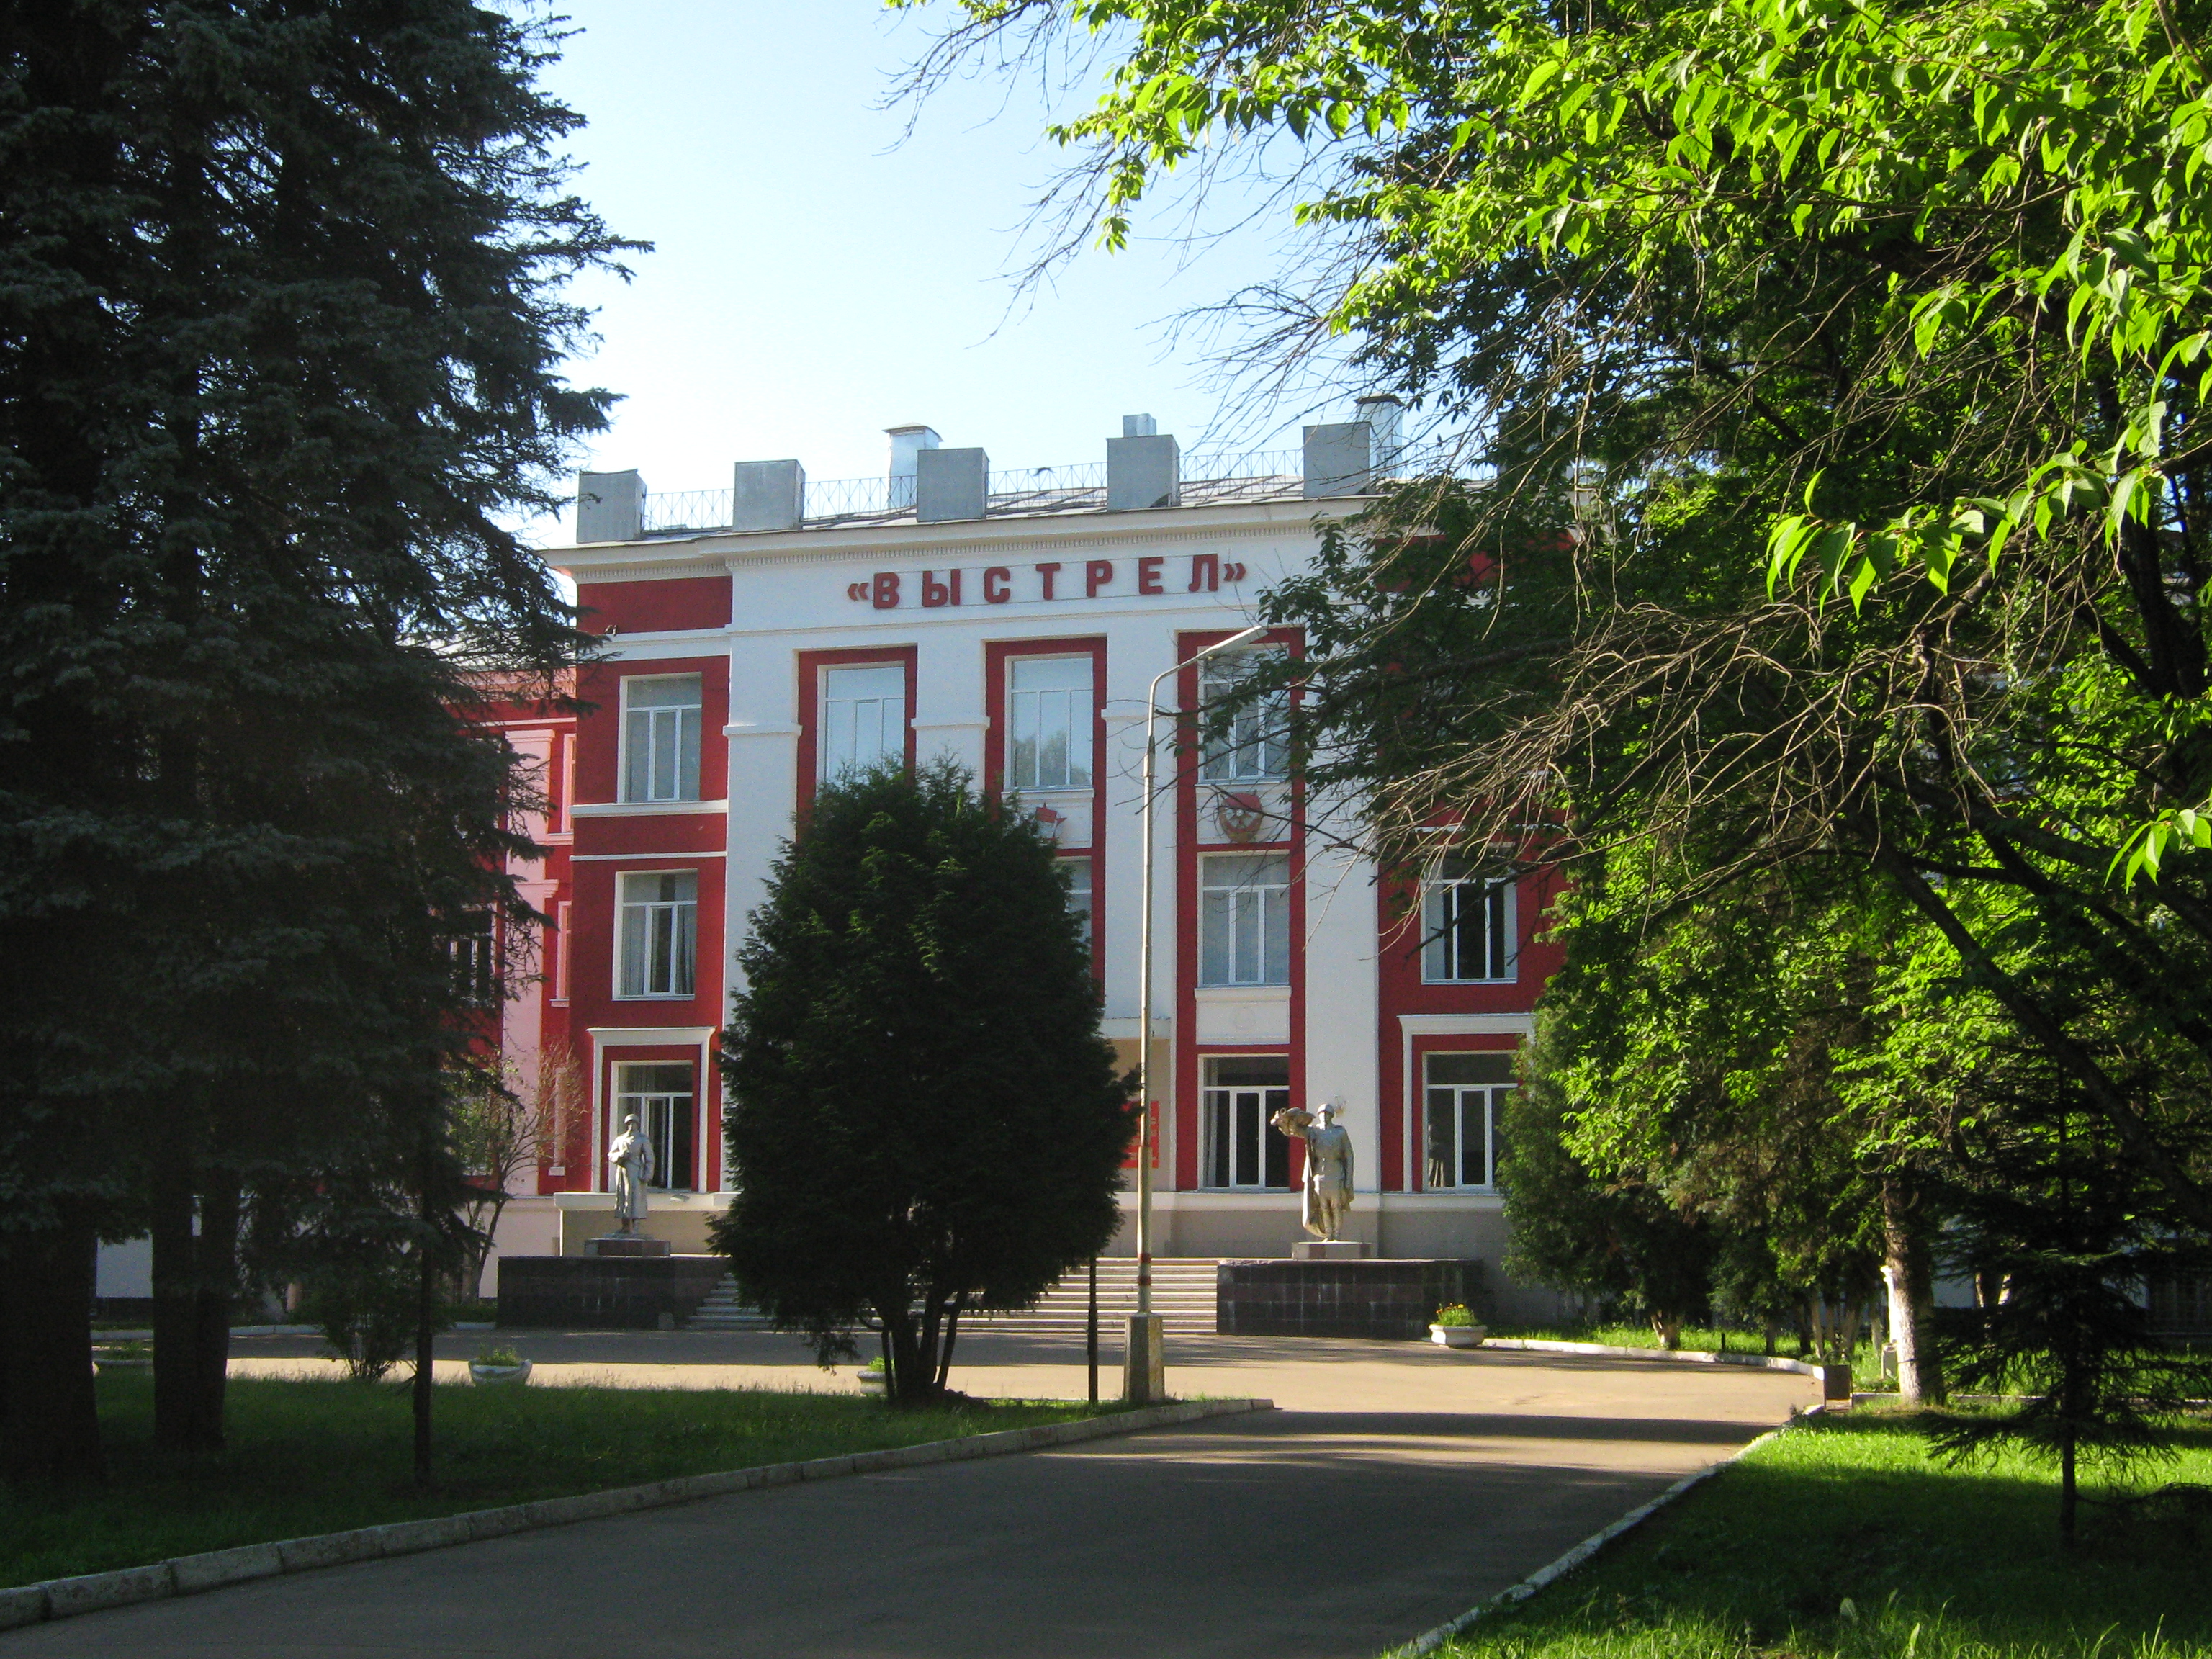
1071	486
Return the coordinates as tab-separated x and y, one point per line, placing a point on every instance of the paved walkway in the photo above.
1401	1485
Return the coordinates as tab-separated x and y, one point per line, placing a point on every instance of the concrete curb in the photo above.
1429	1641
1681	1356
188	1575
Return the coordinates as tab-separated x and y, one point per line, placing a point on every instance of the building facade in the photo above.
1015	623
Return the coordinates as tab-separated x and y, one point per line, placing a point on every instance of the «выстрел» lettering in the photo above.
997	584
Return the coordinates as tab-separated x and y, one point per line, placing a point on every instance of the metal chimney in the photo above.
906	442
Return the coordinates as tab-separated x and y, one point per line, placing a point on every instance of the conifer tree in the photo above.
923	1119
280	330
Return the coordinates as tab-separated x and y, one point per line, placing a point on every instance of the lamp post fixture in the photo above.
1142	1367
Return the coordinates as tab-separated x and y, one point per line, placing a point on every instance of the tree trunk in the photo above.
1912	1300
217	1261
2067	1495
176	1304
426	1328
902	1369
52	1431
944	1348
1669	1329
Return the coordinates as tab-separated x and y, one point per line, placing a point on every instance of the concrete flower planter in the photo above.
489	1376
1457	1336
872	1381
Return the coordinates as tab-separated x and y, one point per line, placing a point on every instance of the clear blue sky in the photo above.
816	280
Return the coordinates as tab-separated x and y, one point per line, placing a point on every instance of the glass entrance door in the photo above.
1466	1098
662	1097
1238	1148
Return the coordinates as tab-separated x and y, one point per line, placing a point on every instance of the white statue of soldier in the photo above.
1329	1166
630	1154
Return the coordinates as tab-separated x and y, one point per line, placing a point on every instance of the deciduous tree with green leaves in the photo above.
1888	328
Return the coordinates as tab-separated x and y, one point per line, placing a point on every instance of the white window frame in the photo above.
1255	915
1489	1097
1444	897
1224	1111
656	1114
666	928
1033	715
892	724
1254	750
680	724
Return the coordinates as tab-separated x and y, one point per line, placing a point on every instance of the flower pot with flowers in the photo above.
493	1366
1455	1328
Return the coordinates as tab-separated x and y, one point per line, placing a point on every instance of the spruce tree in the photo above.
280	330
923	1119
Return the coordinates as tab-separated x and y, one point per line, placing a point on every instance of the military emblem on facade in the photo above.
1239	816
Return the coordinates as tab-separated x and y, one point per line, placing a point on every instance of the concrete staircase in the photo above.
722	1311
1182	1293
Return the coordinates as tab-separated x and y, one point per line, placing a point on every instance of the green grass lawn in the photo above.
1844	1540
314	1456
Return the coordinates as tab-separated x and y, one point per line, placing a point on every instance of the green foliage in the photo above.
1842	1539
923	1119
365	1303
306	1457
1454	1316
281	323
1606	1242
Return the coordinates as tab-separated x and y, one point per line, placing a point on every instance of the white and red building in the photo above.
760	640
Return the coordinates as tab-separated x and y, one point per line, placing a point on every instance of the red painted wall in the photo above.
654	607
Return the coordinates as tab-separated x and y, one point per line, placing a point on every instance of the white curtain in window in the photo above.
863	718
1244	919
1254	750
659	933
660	738
1048	712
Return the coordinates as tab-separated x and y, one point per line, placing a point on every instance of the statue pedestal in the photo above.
1394	1296
1328	1250
629	1244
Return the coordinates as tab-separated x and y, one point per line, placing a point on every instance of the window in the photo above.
1048	712
659	932
476	959
661	1097
863	718
1467	928
660	738
1078	891
1238	1147
1253	749
1465	1102
1244	919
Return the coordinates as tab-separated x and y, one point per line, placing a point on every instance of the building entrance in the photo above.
1241	1094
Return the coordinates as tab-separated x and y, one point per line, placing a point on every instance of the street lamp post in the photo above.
1144	1371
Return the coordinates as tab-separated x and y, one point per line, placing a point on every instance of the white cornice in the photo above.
607	562
644	809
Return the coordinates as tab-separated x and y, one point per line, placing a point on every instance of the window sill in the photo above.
645	809
1449	984
1270	992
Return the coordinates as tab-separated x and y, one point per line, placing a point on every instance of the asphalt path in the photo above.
1400	1485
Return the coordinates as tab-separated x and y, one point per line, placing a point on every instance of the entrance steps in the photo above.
722	1311
1182	1294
